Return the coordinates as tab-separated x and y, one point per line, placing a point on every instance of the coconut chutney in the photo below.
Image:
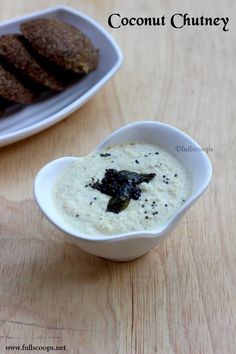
85	208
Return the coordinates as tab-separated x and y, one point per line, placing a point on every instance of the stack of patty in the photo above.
46	56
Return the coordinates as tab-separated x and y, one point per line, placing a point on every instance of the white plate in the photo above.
19	124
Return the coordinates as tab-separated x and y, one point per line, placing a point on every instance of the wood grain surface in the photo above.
180	297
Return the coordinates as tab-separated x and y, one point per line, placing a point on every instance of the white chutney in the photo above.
85	208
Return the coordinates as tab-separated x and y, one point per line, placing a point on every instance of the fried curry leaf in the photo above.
118	203
121	186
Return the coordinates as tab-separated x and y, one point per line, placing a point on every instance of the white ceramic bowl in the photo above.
129	246
20	123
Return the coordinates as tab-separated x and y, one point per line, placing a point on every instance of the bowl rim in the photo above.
7	138
141	233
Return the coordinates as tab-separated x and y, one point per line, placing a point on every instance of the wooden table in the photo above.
180	297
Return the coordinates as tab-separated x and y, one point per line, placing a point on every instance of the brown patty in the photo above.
14	49
61	43
12	89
